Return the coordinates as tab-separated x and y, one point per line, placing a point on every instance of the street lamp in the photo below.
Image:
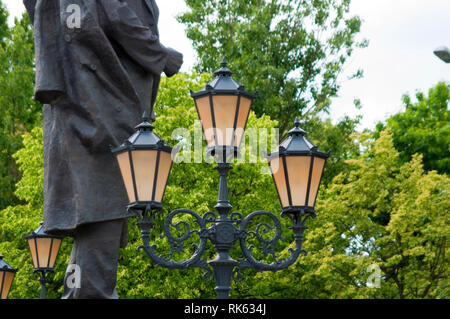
297	166
145	161
44	250
223	107
443	53
7	274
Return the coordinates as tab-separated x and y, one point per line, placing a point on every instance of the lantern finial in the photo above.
145	125
224	62
145	117
224	71
296	130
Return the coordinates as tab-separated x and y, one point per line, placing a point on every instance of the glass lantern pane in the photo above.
6	279
165	163
55	250
32	246
125	169
224	115
204	112
144	163
298	174
277	169
244	110
316	175
40	255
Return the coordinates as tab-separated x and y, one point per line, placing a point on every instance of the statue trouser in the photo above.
92	270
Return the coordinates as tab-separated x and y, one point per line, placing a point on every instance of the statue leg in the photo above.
94	259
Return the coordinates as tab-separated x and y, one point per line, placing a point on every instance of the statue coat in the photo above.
95	82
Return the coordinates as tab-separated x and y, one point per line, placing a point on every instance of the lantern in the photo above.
297	167
223	107
44	249
7	274
145	162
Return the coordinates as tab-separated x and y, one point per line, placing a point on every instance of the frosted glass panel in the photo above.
315	180
6	279
165	163
41	256
125	170
224	114
55	250
144	163
204	111
276	166
298	172
244	110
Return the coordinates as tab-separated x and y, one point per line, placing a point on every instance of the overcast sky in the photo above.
399	59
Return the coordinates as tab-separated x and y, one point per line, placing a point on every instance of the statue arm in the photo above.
138	41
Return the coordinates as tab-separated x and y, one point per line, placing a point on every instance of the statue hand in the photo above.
174	62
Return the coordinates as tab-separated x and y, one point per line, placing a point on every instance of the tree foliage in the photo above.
378	212
4	29
424	128
291	51
19	113
383	214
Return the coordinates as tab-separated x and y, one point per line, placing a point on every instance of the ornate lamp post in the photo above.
44	249
223	107
7	274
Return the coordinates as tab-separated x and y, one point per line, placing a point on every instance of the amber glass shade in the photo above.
223	118
223	107
297	179
145	161
145	174
297	167
44	251
7	274
6	279
44	248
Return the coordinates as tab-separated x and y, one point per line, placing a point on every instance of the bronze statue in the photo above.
95	80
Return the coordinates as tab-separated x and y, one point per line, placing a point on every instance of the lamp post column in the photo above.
43	280
223	237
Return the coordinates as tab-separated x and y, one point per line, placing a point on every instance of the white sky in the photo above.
399	59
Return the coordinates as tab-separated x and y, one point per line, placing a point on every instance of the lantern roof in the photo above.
144	138
39	233
298	144
4	266
224	84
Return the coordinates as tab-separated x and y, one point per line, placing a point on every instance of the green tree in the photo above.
339	139
382	213
424	128
293	52
4	29
19	220
19	113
